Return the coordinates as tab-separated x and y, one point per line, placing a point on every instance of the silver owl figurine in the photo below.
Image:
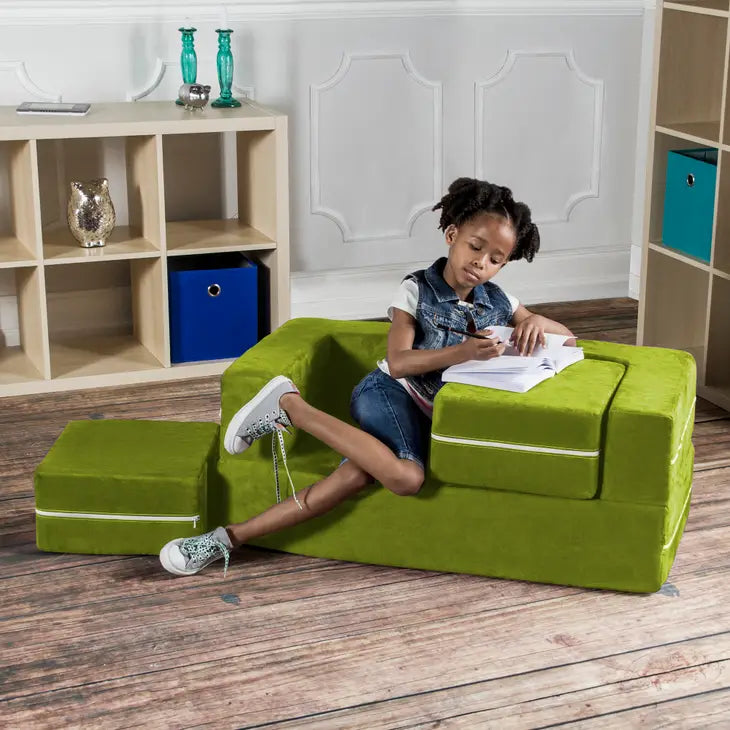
194	96
90	212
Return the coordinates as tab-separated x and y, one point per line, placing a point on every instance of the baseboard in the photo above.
365	293
634	286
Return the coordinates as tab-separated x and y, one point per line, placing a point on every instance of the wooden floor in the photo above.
296	642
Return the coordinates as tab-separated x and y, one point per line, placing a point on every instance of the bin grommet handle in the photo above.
691	180
214	290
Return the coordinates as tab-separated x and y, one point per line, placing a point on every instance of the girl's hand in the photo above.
528	333
474	348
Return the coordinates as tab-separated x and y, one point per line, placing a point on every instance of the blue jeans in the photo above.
383	408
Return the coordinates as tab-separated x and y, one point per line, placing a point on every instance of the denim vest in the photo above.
438	305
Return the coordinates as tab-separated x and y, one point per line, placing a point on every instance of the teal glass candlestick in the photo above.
188	59
225	71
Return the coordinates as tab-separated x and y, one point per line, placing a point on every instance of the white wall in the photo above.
389	100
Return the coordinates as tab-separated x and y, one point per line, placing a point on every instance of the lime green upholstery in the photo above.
124	487
495	439
514	504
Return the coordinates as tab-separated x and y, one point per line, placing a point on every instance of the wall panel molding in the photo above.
317	206
21	73
597	85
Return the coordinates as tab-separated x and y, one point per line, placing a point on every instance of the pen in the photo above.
462	332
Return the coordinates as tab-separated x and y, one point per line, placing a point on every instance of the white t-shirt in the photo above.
406	298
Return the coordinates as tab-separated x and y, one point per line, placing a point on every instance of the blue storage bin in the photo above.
689	201
213	306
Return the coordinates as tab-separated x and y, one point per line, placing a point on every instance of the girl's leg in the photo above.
401	476
316	499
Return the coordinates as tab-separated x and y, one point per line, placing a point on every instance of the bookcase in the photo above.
182	183
684	301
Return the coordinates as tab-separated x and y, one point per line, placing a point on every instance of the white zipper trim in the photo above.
515	447
679	521
684	431
136	518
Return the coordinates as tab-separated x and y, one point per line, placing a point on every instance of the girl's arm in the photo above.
530	328
403	360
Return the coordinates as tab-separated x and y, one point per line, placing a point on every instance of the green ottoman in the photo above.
584	480
124	487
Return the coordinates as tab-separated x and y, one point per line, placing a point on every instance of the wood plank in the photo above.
273	665
706	411
577	690
136	594
703	710
651	692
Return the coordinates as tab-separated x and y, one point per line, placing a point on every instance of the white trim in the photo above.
316	206
18	67
46	12
515	447
135	518
684	431
679	521
364	292
598	93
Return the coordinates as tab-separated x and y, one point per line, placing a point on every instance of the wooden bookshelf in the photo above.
98	317
685	302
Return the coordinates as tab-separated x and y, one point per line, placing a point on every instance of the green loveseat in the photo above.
584	480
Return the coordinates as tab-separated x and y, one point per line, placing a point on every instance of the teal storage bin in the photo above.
689	200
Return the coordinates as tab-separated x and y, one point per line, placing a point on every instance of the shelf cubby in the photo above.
131	164
106	317
18	234
220	192
24	350
691	73
675	305
663	144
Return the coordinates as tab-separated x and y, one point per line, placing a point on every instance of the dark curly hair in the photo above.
468	198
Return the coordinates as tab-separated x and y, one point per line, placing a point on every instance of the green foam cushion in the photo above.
649	423
119	471
545	441
488	532
624	538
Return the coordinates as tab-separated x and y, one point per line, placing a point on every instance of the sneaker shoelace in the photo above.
274	423
200	548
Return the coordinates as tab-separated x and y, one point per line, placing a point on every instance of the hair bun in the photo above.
462	183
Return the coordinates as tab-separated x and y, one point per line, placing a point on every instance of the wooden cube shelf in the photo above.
685	302
182	183
690	83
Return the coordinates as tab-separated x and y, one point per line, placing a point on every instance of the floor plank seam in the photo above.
133	598
478	682
654	705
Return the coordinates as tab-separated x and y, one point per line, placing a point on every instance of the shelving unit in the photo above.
182	183
685	302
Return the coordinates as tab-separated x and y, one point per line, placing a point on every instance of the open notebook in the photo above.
513	371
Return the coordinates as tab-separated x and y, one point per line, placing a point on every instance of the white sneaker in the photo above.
188	555
260	416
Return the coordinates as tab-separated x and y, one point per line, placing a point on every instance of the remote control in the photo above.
46	107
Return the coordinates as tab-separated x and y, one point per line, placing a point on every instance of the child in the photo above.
484	228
